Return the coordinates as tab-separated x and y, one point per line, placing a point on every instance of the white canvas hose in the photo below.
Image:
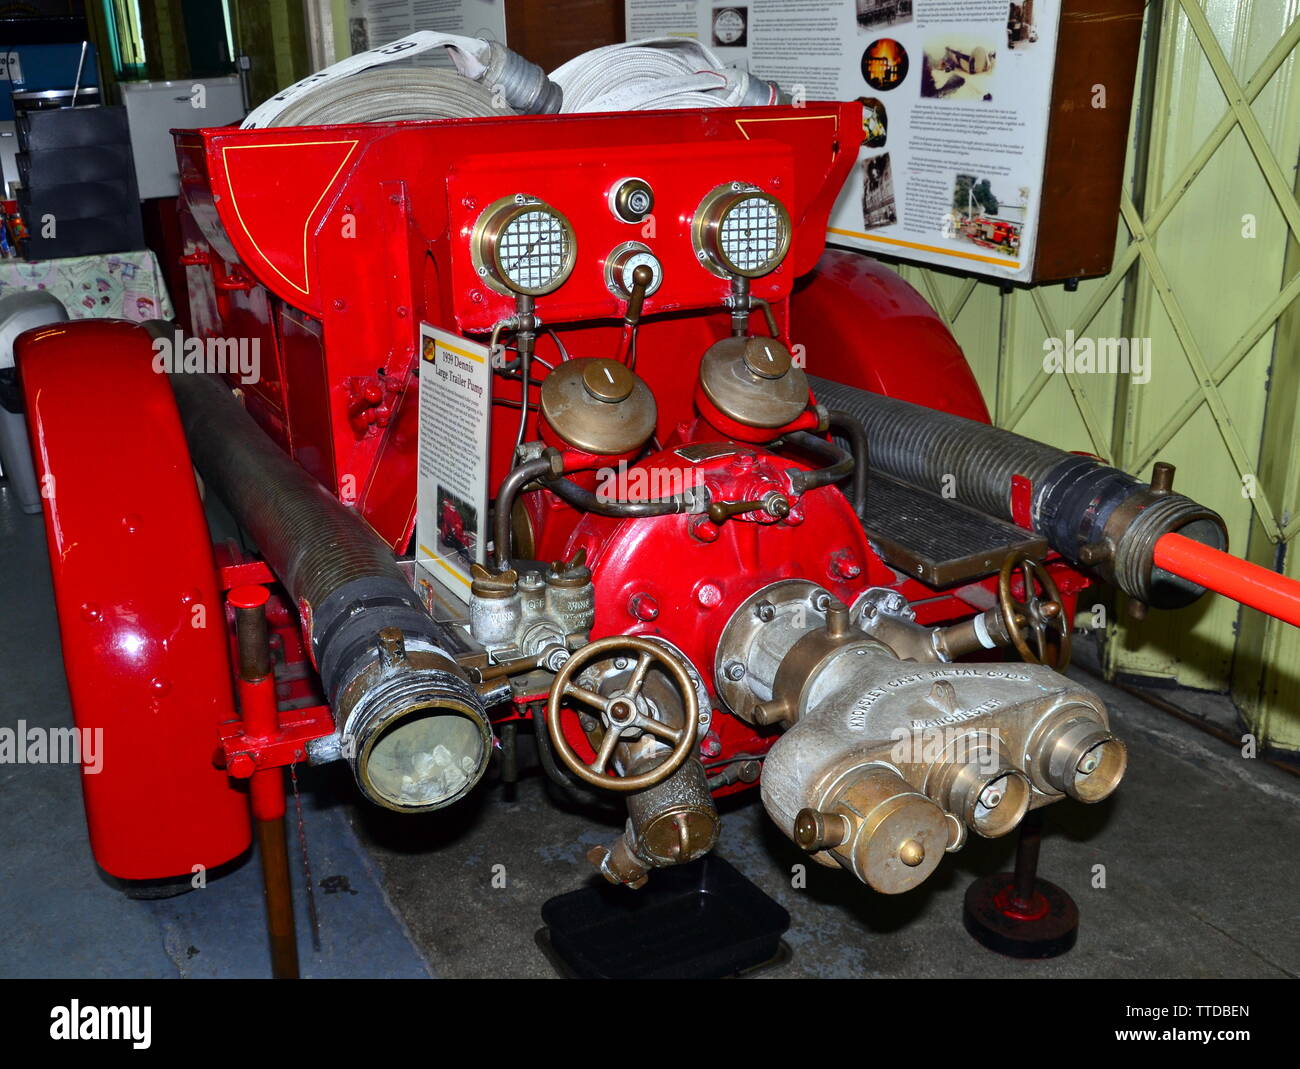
491	80
669	72
380	95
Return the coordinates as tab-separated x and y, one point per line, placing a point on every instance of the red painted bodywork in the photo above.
356	234
140	615
862	325
324	249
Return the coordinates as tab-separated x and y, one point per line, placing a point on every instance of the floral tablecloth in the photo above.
120	285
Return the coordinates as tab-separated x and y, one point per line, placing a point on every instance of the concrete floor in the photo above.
1199	848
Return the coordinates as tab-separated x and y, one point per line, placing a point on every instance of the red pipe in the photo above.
1230	576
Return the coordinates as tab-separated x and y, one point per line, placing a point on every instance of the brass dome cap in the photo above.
599	406
754	381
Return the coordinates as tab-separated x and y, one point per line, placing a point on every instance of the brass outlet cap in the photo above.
767	358
607	380
754	381
599	406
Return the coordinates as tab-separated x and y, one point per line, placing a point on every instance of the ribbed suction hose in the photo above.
412	727
1092	514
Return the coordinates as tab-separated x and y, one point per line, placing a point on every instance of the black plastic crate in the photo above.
86	237
93	163
55	129
698	921
78	200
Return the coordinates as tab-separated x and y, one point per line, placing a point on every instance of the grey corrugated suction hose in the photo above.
390	94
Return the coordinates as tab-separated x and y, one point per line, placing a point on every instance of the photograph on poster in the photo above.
958	70
875	122
983	217
457	522
878	207
884	64
873	14
730	27
1021	31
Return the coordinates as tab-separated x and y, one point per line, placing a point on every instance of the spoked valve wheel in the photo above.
1043	613
625	713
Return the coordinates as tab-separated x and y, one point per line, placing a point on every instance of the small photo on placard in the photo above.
885	64
1022	32
959	70
876	14
730	27
878	205
988	214
875	122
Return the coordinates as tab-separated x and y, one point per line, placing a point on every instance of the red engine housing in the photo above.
324	249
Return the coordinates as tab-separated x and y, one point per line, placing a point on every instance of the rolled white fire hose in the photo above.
491	80
388	96
662	73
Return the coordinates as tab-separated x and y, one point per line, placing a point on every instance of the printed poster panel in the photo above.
452	489
372	23
956	97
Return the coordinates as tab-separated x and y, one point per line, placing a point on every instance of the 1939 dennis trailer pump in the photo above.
814	598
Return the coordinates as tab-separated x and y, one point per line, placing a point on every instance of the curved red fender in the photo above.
144	637
863	325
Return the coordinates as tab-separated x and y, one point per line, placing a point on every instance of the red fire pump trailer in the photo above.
813	598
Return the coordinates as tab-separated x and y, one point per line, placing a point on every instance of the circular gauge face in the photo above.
521	245
624	260
742	231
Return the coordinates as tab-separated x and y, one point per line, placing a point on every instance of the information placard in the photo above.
372	23
956	97
452	490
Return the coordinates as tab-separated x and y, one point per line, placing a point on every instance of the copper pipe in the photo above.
266	789
273	845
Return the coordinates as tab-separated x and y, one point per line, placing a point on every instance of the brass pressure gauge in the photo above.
599	406
740	230
632	200
623	260
521	245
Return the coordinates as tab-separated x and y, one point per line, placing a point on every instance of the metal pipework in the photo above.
671	823
886	763
1093	515
522	83
413	729
256	688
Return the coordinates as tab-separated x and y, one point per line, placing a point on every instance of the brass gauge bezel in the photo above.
618	256
706	230
486	237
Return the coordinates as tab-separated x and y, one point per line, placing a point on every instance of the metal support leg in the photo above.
259	713
1018	914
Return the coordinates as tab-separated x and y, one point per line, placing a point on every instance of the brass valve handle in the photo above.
1041	614
642	276
624	712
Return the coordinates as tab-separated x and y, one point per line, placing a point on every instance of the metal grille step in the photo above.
939	541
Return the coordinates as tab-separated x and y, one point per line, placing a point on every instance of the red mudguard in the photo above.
140	614
863	325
